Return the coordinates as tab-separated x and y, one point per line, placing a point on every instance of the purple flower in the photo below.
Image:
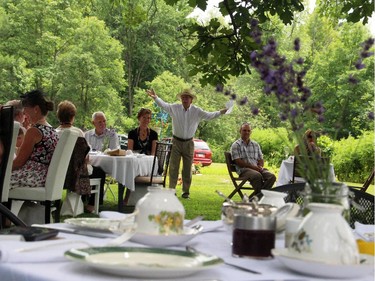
371	115
254	110
300	61
243	101
352	79
294	112
254	23
359	64
219	88
227	93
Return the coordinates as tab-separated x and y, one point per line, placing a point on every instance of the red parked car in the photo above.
202	152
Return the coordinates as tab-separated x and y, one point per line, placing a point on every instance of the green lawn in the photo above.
204	200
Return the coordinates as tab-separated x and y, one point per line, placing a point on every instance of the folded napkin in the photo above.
364	231
36	252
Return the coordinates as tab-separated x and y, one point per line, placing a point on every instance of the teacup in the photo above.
324	236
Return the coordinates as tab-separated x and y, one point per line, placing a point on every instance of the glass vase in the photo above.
329	193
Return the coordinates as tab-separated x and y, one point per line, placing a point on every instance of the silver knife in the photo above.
84	232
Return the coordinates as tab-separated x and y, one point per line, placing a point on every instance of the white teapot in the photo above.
159	212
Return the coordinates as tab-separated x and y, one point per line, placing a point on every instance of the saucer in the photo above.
165	240
326	270
155	263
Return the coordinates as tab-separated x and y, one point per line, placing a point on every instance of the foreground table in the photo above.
217	242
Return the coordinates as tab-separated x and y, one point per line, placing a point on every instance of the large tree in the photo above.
147	30
50	45
224	50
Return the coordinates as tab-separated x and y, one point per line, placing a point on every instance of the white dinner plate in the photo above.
322	269
165	240
102	223
143	262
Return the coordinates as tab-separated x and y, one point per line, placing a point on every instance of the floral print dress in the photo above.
34	172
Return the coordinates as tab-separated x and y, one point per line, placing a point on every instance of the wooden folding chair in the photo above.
370	180
238	182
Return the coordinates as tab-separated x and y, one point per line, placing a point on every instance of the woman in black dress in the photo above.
143	139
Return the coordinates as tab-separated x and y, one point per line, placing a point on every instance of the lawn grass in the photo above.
204	200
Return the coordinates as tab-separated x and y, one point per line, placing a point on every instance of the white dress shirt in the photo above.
185	122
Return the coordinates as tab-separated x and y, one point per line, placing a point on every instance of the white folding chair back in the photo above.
8	172
53	189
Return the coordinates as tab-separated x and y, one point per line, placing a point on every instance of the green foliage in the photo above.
346	105
353	158
273	143
352	10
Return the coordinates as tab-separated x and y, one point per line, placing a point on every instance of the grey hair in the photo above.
95	114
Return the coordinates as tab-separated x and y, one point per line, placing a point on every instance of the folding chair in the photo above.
369	180
239	183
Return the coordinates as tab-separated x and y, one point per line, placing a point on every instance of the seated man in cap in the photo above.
185	121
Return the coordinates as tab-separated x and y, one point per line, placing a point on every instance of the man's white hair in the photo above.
98	113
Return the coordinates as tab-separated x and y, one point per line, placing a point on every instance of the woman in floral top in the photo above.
30	167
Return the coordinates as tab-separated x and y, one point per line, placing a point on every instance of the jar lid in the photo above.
250	222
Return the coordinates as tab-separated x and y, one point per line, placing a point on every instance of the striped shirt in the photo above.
250	153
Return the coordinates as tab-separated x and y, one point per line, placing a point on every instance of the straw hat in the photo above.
186	92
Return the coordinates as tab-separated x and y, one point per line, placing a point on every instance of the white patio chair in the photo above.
53	189
8	134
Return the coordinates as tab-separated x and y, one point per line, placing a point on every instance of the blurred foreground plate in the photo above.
322	269
113	225
143	262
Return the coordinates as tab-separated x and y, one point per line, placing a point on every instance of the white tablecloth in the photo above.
216	242
124	168
286	173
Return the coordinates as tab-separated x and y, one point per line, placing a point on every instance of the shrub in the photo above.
353	158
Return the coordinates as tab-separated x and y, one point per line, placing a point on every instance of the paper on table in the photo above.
229	105
41	251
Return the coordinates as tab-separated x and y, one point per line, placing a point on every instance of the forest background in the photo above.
103	55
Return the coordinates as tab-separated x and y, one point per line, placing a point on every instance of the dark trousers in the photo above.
97	172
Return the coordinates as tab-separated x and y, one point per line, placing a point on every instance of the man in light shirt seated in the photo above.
100	138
